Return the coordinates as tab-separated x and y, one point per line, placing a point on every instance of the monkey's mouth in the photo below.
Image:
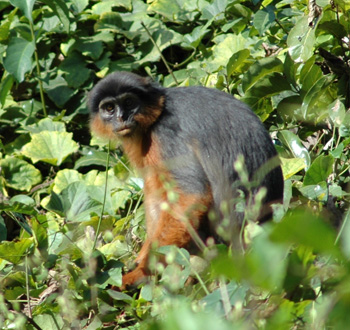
125	130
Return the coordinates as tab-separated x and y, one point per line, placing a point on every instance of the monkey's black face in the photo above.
122	103
119	112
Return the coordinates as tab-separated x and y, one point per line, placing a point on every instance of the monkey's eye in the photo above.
108	106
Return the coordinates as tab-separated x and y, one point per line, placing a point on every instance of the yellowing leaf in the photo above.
50	147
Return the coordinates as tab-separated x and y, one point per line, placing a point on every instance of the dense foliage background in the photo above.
289	60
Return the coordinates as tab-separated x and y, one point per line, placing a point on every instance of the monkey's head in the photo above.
123	104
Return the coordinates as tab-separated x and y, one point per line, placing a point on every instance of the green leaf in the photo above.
13	251
168	9
222	52
76	72
294	144
26	6
58	91
344	129
309	74
237	61
18	207
301	40
319	170
344	234
80	5
64	178
3	229
318	192
46	124
215	10
59	7
263	19
317	99
93	46
18	60
193	39
163	38
337	112
50	146
19	174
5	87
115	295
305	228
291	166
95	158
260	69
44	318
258	96
74	202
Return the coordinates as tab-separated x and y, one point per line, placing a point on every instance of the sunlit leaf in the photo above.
50	146
291	166
15	251
19	174
301	40
294	144
64	178
95	158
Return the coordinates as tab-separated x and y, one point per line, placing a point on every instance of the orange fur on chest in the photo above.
142	151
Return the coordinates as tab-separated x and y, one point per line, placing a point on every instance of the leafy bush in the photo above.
287	60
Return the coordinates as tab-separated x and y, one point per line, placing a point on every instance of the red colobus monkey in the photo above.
190	136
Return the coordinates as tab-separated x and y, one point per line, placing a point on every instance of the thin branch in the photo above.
160	53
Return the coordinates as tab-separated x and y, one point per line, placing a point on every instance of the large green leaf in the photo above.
263	19
237	61
59	7
19	174
168	9
16	250
26	6
74	202
95	158
259	70
58	91
293	143
319	170
46	124
291	166
64	178
305	228
74	67
18	60
301	40
50	146
222	52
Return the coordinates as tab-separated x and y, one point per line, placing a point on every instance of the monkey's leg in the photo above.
173	227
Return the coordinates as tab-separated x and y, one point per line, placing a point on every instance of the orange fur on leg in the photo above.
173	227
